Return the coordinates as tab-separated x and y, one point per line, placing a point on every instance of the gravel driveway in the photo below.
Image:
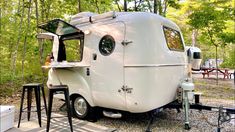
169	120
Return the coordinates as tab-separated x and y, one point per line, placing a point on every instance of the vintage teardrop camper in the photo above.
194	57
128	61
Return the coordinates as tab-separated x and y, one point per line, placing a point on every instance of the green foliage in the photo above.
209	20
229	61
204	14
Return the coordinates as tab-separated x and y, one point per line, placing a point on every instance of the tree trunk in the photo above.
17	43
224	51
216	52
37	21
79	6
194	37
97	6
216	62
116	2
159	4
0	23
48	9
155	8
135	7
149	5
11	43
42	9
125	5
25	39
165	3
39	43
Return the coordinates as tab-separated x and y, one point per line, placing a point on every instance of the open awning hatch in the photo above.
61	28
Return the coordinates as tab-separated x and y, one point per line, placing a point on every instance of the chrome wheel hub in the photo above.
80	106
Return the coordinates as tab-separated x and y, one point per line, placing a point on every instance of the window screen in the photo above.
173	39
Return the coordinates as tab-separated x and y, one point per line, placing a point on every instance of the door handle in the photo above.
94	56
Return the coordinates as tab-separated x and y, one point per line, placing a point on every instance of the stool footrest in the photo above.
58	117
31	111
42	108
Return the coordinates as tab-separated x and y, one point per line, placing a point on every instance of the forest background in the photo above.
207	24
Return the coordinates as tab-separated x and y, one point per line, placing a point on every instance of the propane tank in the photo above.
188	88
186	85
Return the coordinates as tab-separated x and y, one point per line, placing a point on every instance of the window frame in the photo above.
166	39
114	44
77	37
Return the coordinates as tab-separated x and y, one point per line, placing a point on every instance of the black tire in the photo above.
80	107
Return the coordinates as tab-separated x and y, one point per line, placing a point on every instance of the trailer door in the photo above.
107	66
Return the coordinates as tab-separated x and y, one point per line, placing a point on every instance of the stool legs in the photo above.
69	111
21	107
29	89
67	102
50	100
29	102
38	104
44	99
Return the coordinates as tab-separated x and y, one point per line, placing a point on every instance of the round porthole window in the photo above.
106	45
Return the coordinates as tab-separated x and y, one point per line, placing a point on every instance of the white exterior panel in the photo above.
76	79
107	71
151	69
153	86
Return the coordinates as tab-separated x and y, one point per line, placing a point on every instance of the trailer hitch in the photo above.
184	100
224	114
222	117
152	115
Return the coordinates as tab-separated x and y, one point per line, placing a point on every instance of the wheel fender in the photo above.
76	79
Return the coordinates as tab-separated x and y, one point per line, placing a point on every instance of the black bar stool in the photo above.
59	89
29	89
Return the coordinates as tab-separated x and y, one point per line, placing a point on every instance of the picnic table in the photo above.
208	71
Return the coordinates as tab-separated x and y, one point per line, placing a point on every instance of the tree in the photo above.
210	20
160	6
155	6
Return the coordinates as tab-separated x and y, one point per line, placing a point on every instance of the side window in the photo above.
196	55
173	39
106	45
71	49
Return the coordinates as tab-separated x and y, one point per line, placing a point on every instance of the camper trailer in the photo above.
127	61
194	57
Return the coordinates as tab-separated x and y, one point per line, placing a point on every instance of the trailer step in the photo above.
112	114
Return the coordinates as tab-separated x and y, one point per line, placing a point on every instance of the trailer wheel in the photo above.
186	127
80	107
